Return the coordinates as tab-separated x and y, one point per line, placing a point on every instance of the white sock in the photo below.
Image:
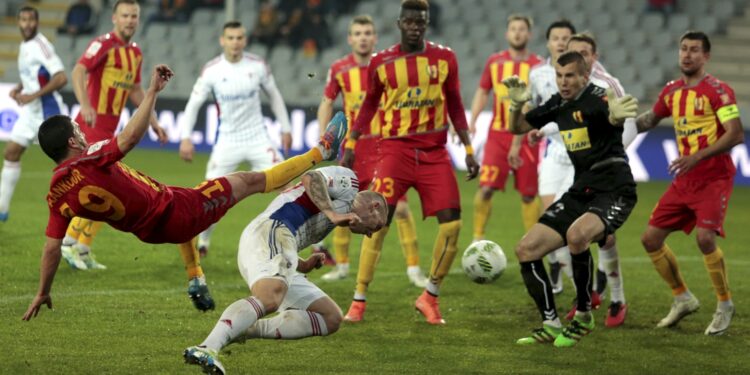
433	289
555	323
343	268
289	325
725	305
566	263
234	321
359	296
204	239
83	249
609	263
8	180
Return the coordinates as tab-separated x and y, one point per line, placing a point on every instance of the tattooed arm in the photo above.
647	121
316	187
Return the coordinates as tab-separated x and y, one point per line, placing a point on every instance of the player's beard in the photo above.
519	46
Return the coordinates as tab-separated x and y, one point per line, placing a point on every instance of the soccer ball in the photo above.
484	261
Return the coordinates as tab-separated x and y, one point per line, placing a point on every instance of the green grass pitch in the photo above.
135	317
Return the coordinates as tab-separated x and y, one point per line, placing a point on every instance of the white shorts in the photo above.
226	157
25	129
555	178
269	250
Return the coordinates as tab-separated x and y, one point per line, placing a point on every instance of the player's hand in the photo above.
683	164
621	108
159	77
23	99
348	159
89	114
36	305
187	150
160	133
14	93
286	143
315	261
517	91
472	167
535	136
346	219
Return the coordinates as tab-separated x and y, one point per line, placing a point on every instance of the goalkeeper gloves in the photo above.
621	108
517	92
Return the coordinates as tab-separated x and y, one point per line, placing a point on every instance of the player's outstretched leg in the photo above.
197	287
321	318
368	259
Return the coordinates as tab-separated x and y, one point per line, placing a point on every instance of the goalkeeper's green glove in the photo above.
517	92
621	108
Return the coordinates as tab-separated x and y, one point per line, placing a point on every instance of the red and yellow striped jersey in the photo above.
347	77
498	67
416	92
698	113
113	67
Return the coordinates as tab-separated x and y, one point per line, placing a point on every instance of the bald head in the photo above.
372	208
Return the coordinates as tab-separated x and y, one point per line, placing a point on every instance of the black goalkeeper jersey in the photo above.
593	144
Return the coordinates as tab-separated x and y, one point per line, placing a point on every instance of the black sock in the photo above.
554	272
539	288
601	281
583	272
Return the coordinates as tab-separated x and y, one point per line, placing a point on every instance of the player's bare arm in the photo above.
50	260
316	188
477	105
15	91
733	136
139	123
136	97
647	121
325	113
79	88
315	261
55	83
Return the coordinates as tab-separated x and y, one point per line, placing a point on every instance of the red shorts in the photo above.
104	127
688	203
495	167
365	162
429	171
192	211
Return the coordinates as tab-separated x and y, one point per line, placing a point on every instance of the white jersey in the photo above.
236	88
37	63
543	86
294	209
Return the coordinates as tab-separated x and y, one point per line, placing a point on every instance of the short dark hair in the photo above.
232	25
118	2
586	38
573	57
415	5
698	35
521	17
561	24
53	136
362	19
27	8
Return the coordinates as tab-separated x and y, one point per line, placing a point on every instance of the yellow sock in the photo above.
444	250
407	235
341	238
666	265
530	213
191	258
280	174
717	271
89	230
368	259
482	209
74	228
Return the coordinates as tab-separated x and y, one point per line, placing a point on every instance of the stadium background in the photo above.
134	317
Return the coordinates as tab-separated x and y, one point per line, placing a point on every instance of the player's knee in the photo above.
525	250
527	198
486	193
402	210
333	321
650	242
706	241
577	240
12	152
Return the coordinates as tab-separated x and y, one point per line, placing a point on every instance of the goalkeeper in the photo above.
599	201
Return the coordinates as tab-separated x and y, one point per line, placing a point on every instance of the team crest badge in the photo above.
699	104
432	71
578	116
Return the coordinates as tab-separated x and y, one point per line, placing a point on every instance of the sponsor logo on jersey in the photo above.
576	139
